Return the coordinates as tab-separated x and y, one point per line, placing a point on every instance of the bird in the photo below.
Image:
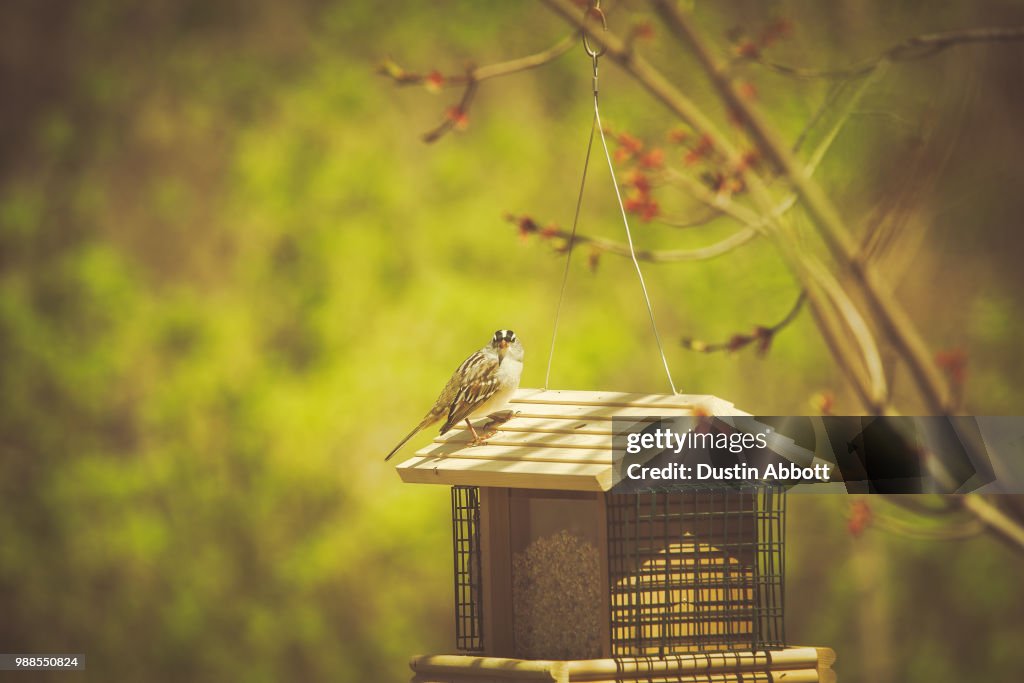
481	385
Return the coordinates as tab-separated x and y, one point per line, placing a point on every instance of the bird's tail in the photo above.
427	421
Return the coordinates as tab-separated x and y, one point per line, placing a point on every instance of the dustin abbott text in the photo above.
781	472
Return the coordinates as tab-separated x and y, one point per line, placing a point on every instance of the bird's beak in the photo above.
502	350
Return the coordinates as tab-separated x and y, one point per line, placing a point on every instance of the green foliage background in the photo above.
231	277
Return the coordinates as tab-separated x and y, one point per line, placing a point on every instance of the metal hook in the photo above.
595	11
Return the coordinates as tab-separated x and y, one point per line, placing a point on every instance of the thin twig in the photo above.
471	79
948	531
833	332
855	324
762	335
720	248
910	49
719	201
830	98
945	504
452	119
819	152
695	222
481	73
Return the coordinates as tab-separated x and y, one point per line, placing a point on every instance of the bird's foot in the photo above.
481	439
490	427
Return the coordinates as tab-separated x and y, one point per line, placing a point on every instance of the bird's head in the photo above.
505	342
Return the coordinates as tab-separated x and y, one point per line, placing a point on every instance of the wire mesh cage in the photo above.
469	635
689	570
696	570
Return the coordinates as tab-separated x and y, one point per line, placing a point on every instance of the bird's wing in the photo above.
471	395
470	386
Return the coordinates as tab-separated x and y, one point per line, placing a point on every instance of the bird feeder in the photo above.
560	577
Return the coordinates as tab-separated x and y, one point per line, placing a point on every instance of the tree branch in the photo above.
890	317
888	314
655	83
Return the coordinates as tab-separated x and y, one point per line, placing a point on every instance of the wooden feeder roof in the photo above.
558	440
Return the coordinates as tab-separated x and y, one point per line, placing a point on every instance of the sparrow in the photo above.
482	385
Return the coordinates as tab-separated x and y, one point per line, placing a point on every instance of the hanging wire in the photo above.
595	11
568	257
